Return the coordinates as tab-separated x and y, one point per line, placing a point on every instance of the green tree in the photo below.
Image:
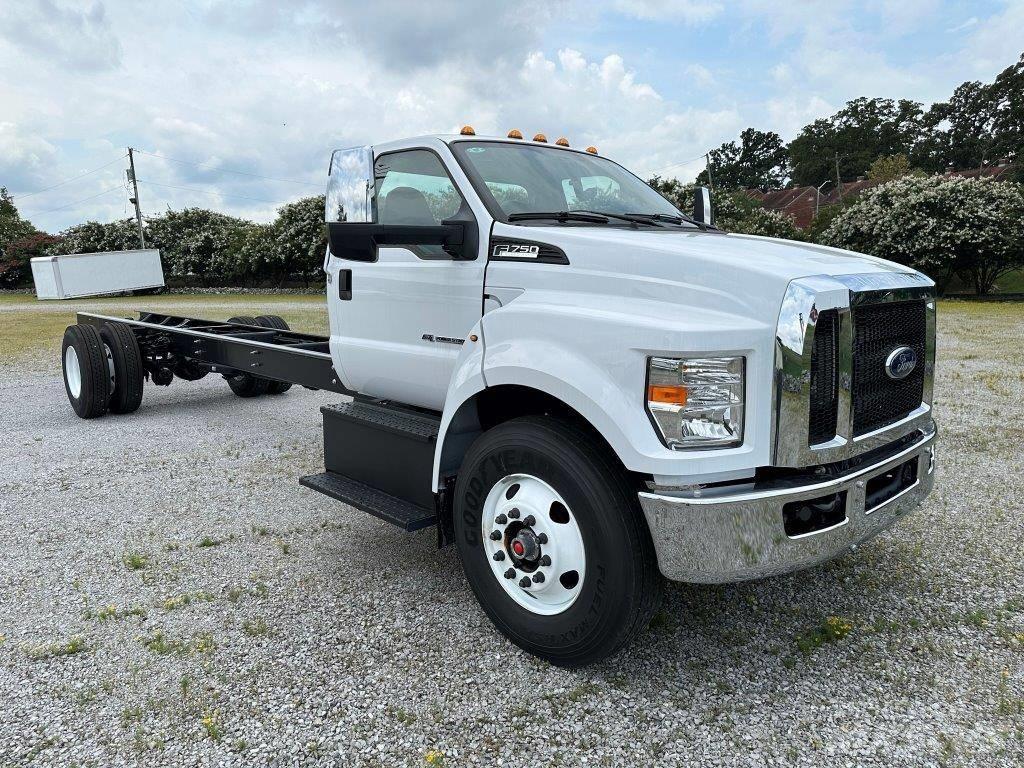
199	243
94	237
890	167
860	132
760	161
944	226
301	237
12	226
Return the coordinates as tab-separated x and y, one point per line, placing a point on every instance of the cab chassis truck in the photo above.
580	386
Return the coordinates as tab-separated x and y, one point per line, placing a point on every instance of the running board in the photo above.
394	510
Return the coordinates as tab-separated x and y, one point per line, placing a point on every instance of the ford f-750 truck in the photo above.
582	387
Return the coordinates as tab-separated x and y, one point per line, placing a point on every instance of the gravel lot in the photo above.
169	595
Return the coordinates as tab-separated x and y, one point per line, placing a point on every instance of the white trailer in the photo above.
77	275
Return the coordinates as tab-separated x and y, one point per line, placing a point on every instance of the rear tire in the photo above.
126	396
617	585
278	323
86	371
245	384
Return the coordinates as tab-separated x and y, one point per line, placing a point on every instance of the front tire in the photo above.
585	520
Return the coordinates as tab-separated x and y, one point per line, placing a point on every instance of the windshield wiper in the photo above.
593	218
670	218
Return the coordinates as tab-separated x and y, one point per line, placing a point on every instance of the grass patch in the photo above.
111	612
58	648
162	645
208	541
831	630
211	726
135	561
255	628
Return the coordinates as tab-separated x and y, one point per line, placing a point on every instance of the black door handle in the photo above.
345	284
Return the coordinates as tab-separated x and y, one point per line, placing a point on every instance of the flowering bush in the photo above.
944	226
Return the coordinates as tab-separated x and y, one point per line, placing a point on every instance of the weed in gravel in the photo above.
977	618
239	745
209	541
212	726
286	548
172	546
257	628
261	530
184	684
163	645
434	758
831	630
131	715
135	561
176	601
235	594
52	650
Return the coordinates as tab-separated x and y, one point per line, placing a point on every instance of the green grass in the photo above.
29	327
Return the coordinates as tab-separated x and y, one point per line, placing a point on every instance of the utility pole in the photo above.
135	198
839	180
707	164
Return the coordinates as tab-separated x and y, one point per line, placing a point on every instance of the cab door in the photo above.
401	311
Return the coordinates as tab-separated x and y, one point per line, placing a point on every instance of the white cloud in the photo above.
699	75
688	11
55	33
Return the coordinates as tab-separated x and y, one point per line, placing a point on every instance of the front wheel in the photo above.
553	541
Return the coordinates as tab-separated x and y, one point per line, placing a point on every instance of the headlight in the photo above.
697	402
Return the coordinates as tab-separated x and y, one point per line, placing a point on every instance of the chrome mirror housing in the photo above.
702	206
350	186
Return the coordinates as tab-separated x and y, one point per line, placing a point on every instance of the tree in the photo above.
734	211
889	168
12	226
16	260
978	125
944	226
860	132
759	162
94	237
301	236
198	242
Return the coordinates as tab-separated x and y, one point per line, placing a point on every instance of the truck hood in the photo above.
738	274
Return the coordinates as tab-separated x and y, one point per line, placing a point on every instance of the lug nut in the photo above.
542	538
525	582
529	521
546	560
499	555
538	578
513	513
501	519
495	535
510	573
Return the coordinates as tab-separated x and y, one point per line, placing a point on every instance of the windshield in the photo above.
524	178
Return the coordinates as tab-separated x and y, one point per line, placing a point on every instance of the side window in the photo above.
413	188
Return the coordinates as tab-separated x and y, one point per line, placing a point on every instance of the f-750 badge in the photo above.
516	250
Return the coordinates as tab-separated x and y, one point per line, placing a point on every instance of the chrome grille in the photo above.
824	379
878	329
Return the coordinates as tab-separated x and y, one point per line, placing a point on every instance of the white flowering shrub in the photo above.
943	226
301	237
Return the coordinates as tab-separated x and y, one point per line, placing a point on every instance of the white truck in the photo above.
583	388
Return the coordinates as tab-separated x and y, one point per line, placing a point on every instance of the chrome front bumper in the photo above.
737	532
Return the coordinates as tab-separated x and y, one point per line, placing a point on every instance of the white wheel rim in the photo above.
110	365
73	372
559	559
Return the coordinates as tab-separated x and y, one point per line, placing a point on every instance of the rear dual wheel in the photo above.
246	384
102	369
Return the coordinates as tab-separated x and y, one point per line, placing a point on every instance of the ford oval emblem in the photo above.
900	363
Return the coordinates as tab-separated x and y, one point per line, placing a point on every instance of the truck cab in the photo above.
588	390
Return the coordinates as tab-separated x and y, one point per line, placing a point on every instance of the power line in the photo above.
68	181
228	170
76	202
211	192
681	162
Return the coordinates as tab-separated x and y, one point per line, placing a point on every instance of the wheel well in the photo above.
496	405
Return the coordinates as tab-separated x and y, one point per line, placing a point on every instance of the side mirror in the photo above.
359	241
702	206
350	186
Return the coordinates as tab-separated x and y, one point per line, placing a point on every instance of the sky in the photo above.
236	106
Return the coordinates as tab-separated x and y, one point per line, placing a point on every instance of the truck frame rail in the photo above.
231	348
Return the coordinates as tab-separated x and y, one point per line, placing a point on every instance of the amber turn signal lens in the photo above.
592	150
666	394
515	133
562	142
467	130
541	138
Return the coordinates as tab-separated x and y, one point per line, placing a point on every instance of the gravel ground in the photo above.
169	595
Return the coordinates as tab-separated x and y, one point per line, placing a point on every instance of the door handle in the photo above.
345	284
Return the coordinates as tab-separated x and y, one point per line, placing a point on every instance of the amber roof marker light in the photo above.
540	138
592	150
515	133
562	141
467	130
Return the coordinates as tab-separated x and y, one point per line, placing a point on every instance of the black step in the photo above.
414	425
394	510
